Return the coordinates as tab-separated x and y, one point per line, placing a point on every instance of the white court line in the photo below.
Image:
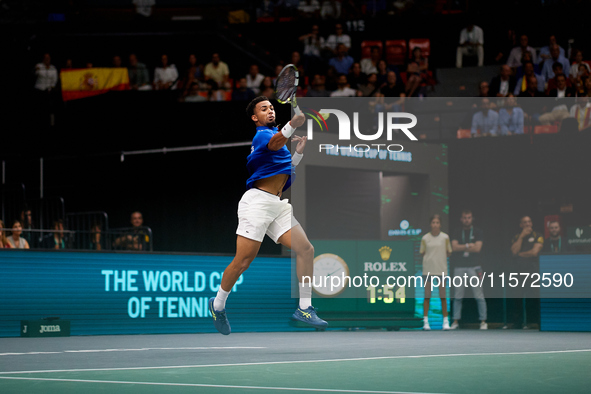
216	386
138	350
301	361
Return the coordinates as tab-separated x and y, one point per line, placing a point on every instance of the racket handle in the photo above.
297	110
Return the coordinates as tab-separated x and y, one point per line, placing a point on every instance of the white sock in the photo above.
305	295
426	319
219	304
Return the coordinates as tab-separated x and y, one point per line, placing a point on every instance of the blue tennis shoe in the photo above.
220	321
309	316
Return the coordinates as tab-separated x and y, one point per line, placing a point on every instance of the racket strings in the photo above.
285	85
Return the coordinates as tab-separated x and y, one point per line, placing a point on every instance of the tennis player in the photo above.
261	211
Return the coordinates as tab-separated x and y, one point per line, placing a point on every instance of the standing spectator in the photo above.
342	62
471	44
254	78
313	44
528	72
525	248
218	71
369	65
581	111
485	121
503	84
139	77
577	61
56	239
555	57
46	75
343	89
466	244
15	240
511	118
3	240
435	248
166	76
516	54
545	51
317	88
356	77
242	91
555	243
338	38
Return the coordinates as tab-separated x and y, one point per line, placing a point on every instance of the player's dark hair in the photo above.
252	105
436	216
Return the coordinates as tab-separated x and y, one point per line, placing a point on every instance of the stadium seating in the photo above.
423	43
366	47
396	51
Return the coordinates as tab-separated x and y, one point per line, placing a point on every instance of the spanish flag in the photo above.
87	82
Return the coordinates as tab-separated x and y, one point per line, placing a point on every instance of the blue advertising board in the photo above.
125	293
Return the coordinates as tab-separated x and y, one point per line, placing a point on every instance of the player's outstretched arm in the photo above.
280	139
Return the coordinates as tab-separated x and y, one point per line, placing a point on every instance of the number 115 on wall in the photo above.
386	294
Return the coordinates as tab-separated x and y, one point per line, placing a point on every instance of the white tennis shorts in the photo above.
261	213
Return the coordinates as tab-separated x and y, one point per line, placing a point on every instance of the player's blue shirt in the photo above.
264	163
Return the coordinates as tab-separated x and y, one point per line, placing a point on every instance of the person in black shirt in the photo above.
525	248
556	243
466	244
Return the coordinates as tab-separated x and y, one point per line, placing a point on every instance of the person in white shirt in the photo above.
254	78
545	51
369	65
514	59
166	76
471	44
343	89
46	74
339	37
435	248
581	111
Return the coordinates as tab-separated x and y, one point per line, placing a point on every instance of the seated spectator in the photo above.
139	77
242	92
309	9
369	88
46	75
166	76
486	121
561	88
483	89
296	60
356	77
338	38
514	59
579	82
382	73
555	57
392	88
15	240
217	71
194	73
581	111
417	72
331	79
574	71
525	59
267	83
471	44
3	240
331	9
96	240
317	87
505	45
193	95
557	68
214	93
555	243
343	89
511	118
313	45
116	62
342	62
545	50
137	238
503	84
56	239
369	65
254	78
532	87
521	85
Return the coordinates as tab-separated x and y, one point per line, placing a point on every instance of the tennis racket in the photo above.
286	86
